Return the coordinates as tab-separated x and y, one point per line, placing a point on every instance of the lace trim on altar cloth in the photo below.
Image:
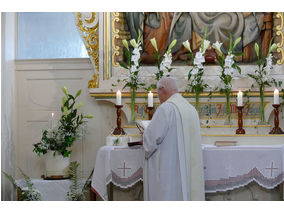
225	184
125	182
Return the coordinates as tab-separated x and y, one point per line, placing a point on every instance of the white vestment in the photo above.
173	168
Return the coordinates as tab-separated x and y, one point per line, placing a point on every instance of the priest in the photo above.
173	168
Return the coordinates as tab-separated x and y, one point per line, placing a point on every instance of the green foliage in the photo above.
27	193
77	192
61	138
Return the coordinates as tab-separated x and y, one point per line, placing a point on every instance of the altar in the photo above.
231	173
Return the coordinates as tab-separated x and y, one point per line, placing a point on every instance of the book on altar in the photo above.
225	143
142	125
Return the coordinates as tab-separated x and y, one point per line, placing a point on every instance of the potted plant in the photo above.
57	141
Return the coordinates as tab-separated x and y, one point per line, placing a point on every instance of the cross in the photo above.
271	168
124	168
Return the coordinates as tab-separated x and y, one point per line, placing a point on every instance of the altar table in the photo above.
225	168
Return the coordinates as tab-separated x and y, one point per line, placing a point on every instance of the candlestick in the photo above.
118	130
276	129
150	99
240	98
240	130
118	98
150	112
276	96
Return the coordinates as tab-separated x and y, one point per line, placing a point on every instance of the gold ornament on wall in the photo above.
279	32
88	26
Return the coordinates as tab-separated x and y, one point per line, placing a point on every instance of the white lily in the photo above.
186	44
154	43
256	47
173	43
133	43
206	45
217	46
125	43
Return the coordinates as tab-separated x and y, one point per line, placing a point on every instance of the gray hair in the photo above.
168	83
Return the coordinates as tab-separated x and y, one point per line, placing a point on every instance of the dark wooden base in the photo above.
240	131
276	130
118	131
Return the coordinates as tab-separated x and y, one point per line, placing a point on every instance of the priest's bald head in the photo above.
166	87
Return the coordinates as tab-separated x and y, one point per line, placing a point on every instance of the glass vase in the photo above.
228	109
261	115
132	93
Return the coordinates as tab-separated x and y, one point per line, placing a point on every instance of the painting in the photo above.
252	27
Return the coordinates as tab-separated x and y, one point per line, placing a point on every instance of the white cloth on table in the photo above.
123	166
173	168
227	168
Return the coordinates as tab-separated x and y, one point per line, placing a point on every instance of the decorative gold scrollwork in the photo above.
279	32
94	83
115	36
88	25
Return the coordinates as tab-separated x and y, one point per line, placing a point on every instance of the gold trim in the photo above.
185	94
280	33
91	37
115	35
94	83
107	34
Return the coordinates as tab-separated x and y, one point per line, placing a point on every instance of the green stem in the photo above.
261	92
132	90
228	108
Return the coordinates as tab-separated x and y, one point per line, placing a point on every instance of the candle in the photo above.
150	99
240	98
118	97
276	96
52	120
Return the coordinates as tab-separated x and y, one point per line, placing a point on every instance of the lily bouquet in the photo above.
262	75
164	61
195	75
133	66
230	70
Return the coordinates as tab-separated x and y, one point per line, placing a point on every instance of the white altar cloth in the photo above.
123	166
225	168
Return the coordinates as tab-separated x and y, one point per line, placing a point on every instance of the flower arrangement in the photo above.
262	75
164	61
195	75
133	66
60	138
27	193
229	67
77	192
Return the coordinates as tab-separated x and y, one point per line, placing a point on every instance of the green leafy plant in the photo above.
77	192
60	138
27	193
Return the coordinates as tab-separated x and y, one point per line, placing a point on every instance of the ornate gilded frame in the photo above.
110	35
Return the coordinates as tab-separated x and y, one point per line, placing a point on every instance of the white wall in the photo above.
39	93
7	101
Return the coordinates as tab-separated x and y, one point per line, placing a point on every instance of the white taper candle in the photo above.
150	99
